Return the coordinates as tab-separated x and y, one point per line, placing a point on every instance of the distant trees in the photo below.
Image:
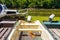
31	3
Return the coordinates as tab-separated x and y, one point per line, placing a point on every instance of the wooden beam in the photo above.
30	30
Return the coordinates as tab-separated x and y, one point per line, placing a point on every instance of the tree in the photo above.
21	3
57	3
2	1
31	3
8	3
48	4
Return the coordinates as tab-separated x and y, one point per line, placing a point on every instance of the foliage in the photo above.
31	3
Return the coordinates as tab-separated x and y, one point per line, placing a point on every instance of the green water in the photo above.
38	38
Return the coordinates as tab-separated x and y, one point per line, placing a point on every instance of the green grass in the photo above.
43	14
41	18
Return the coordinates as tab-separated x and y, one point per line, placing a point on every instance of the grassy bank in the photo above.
43	14
41	18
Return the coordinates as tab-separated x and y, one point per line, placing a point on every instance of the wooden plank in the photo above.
3	32
1	29
30	30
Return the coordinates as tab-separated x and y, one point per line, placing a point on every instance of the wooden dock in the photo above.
5	29
55	32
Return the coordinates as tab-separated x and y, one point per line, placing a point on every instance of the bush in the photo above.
31	3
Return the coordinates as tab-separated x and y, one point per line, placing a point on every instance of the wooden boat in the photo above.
30	31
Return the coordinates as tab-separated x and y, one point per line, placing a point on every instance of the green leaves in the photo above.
31	3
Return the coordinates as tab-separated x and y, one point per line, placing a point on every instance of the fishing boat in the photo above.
30	31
